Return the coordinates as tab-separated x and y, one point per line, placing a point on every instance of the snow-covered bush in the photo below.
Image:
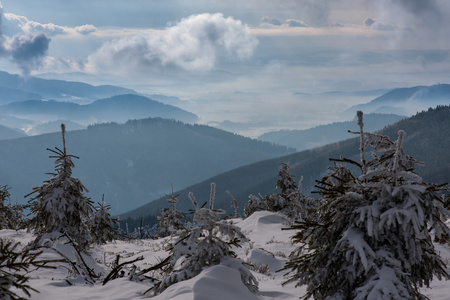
372	236
253	204
290	201
171	220
207	243
101	224
60	204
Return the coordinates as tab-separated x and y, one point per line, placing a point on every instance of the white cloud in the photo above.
195	43
295	23
15	24
271	21
85	29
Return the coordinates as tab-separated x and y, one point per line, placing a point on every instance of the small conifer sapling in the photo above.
209	242
60	205
171	220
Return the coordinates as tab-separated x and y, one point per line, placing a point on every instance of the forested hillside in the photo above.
10	133
132	163
427	139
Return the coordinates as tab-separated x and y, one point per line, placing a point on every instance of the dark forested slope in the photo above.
132	163
10	133
427	139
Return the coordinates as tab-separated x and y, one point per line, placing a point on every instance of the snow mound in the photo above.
214	283
259	257
264	229
261	221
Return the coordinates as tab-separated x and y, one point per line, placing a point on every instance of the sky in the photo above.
257	64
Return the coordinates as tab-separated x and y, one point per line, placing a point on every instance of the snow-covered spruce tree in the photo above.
101	224
297	206
254	204
11	217
372	239
206	244
290	201
171	220
60	205
279	202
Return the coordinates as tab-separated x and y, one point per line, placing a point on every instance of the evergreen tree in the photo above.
101	224
371	239
171	220
208	243
290	201
11	217
60	204
253	204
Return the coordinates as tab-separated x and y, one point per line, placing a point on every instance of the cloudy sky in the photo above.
251	61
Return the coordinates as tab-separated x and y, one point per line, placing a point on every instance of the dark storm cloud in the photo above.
369	22
27	51
418	7
419	14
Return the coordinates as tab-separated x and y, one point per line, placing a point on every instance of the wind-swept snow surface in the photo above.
267	250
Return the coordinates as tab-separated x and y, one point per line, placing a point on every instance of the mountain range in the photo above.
15	88
132	163
406	101
28	104
427	139
120	108
326	134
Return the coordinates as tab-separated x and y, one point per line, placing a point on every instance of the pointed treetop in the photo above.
212	196
63	130
362	149
359	114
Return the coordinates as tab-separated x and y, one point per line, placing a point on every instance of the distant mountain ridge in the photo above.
326	134
407	101
119	108
132	163
16	88
427	139
54	126
10	133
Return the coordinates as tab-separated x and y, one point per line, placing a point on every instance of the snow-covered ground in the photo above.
268	250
